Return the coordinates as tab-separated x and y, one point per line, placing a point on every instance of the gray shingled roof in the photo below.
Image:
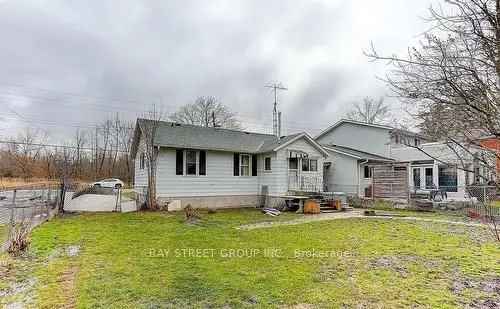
358	153
273	144
171	134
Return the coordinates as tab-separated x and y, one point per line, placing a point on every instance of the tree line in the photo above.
96	152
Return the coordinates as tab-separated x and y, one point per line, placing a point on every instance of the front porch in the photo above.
305	183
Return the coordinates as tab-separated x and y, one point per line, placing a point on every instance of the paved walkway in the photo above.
348	215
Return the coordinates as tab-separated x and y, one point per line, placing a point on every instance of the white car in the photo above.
109	183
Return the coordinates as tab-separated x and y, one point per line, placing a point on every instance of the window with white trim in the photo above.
244	165
309	165
190	162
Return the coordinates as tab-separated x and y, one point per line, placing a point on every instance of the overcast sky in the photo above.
73	63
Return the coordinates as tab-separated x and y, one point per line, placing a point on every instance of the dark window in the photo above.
416	178
305	165
179	162
429	178
368	172
236	164
254	165
202	163
293	163
142	161
313	165
267	164
190	162
448	178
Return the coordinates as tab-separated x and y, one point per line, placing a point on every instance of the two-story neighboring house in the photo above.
355	147
380	161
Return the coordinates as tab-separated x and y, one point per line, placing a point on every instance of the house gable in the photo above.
365	137
304	138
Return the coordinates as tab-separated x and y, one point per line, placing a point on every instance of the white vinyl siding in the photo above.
280	169
218	181
360	137
141	174
343	174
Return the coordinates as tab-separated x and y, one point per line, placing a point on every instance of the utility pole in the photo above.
96	156
275	87
214	123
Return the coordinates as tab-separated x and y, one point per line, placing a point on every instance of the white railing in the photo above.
307	183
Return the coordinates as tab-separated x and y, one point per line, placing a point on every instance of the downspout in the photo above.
359	176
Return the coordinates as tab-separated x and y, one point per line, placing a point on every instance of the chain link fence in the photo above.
23	208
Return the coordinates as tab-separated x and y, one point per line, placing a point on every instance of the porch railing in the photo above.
305	183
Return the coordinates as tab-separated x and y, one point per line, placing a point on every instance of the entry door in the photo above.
429	177
293	173
416	178
326	175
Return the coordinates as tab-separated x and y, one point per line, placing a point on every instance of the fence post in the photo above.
61	200
485	196
12	214
118	205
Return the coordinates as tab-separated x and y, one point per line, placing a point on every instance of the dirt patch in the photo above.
67	280
489	285
484	304
299	306
397	263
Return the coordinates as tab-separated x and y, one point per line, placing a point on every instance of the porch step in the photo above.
328	211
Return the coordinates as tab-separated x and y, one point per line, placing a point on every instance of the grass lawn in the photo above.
146	260
3	233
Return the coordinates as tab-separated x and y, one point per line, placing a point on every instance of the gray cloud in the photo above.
100	57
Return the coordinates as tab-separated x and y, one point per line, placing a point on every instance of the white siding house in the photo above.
215	168
441	166
355	148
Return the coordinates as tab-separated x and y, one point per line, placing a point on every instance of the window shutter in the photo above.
179	162
236	164
254	165
202	168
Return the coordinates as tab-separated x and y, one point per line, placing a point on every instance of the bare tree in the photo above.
80	141
149	127
206	112
370	111
453	77
26	150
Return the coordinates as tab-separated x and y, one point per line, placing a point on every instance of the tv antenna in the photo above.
276	122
